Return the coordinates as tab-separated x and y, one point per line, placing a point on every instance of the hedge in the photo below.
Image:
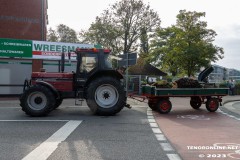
237	87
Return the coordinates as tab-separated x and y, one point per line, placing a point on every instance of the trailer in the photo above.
208	94
159	98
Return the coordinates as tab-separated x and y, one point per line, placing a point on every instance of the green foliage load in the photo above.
188	83
180	83
223	85
162	84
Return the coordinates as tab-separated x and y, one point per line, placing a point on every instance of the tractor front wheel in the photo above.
37	100
106	96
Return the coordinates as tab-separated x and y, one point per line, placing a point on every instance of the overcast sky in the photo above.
223	16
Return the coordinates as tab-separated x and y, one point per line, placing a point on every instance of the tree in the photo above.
62	34
163	53
52	35
103	32
66	34
186	46
123	23
144	46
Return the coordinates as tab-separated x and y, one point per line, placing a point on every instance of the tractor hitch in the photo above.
128	106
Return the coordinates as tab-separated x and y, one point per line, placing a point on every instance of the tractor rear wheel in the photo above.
37	100
106	96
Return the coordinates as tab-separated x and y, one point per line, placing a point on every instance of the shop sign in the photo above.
15	48
53	50
39	49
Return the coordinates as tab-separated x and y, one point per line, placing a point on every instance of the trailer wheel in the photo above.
106	96
195	102
212	104
37	100
164	106
152	103
153	106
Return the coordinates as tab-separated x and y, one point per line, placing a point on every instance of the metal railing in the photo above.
10	85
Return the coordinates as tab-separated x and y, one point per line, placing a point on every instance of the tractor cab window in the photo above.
89	62
107	61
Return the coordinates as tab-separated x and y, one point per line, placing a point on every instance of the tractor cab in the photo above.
92	60
92	63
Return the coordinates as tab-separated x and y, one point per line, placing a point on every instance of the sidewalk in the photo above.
227	99
231	105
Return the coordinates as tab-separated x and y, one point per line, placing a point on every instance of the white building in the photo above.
220	74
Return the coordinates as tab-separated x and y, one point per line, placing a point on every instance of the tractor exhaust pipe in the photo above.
62	62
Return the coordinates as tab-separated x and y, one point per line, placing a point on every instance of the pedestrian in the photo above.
232	86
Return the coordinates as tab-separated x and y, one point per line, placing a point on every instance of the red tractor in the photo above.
93	80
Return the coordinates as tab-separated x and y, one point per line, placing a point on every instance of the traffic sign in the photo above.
127	59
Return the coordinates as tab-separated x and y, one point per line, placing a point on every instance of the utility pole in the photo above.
127	76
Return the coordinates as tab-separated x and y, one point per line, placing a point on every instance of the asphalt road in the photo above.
72	132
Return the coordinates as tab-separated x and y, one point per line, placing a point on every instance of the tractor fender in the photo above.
51	87
104	73
101	73
26	84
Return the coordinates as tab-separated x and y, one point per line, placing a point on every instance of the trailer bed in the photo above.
183	92
159	98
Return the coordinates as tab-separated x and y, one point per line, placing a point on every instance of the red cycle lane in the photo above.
199	134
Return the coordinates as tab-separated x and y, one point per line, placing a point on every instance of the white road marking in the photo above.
166	147
149	113
156	130
35	120
44	150
193	117
231	116
173	157
150	117
151	120
6	107
74	106
138	106
154	125
160	137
